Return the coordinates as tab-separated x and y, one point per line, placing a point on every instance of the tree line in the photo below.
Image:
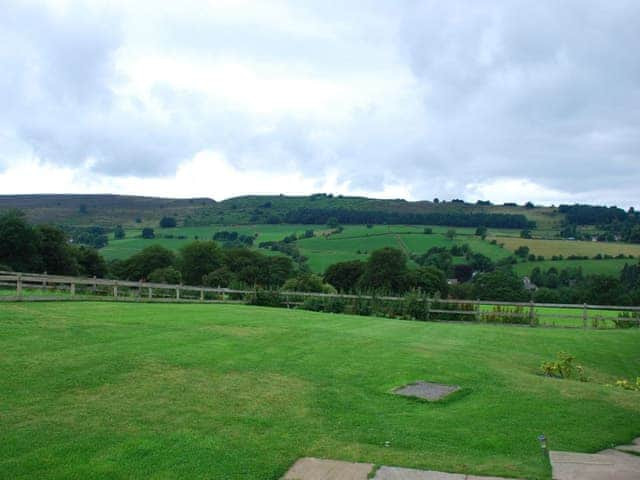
454	219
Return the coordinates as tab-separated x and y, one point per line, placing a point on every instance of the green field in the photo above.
133	242
326	248
611	267
548	248
103	390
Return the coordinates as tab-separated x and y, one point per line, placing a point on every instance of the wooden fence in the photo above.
43	287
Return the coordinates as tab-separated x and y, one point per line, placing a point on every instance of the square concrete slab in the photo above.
426	390
319	469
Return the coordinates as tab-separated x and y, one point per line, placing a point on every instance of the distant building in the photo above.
529	285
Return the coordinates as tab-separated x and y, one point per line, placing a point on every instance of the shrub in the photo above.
563	367
165	275
168	222
148	233
627	385
510	314
266	298
627	320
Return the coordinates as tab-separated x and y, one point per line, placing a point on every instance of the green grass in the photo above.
611	267
133	243
103	390
321	250
548	248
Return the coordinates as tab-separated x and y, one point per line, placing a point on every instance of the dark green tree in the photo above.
344	276
197	259
385	271
19	243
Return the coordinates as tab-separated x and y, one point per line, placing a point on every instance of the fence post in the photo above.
585	315
115	289
478	310
150	293
532	313
95	285
202	294
73	289
428	308
19	285
177	293
44	280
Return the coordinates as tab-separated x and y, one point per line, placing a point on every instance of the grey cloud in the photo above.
545	91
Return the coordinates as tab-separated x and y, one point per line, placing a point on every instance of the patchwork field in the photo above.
95	390
354	242
133	243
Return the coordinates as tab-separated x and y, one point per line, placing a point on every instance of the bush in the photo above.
266	298
165	275
627	320
510	314
627	385
563	367
148	233
168	222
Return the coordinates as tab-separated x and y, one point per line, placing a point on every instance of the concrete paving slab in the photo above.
396	473
474	477
427	390
606	465
629	448
319	469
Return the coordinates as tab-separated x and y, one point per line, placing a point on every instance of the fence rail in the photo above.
83	288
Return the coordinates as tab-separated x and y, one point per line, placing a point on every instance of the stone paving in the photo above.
611	464
319	469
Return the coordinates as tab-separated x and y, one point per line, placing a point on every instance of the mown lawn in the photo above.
100	390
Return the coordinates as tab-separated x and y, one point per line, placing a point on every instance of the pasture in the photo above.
549	248
95	390
611	267
322	250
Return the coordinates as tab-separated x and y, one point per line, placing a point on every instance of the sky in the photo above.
480	100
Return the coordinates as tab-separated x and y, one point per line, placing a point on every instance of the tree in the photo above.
19	243
56	255
148	233
451	234
165	275
499	285
118	233
140	265
344	276
438	257
481	232
526	234
307	282
481	263
428	280
385	271
90	262
168	222
332	222
462	273
197	259
522	251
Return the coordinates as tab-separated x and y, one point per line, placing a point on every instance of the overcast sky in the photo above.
501	100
